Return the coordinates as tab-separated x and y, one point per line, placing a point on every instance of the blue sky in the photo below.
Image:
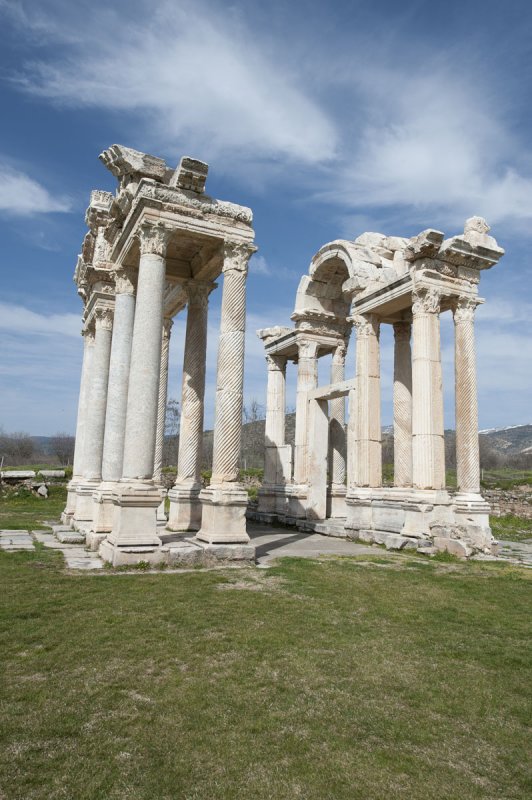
326	118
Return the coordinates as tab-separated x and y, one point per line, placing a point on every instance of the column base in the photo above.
185	508
83	515
223	514
134	536
472	519
359	513
426	512
70	508
161	508
103	507
296	502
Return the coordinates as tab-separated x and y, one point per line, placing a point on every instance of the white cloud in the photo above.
196	72
17	319
21	195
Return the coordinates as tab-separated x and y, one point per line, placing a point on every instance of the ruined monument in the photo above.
153	249
335	473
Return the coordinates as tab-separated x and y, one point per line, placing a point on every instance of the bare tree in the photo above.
253	412
171	431
16	448
62	446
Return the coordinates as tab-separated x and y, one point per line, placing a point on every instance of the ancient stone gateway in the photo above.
154	248
337	473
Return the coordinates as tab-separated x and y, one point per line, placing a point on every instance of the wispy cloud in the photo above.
22	196
17	319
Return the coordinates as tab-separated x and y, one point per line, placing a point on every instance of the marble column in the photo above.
137	499
467	449
185	505
337	434
307	379
368	436
161	417
274	431
402	405
225	500
428	450
95	428
77	468
115	417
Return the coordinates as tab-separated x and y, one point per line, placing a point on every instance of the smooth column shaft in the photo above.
143	393
275	401
94	433
428	448
337	432
368	443
115	418
467	449
307	379
402	405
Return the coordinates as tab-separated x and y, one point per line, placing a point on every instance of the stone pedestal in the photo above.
223	515
185	507
134	536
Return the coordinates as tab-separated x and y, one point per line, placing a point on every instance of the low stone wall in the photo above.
517	501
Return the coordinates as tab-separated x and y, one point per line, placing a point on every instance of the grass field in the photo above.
22	510
388	678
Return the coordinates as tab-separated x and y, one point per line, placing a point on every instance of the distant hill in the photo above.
511	441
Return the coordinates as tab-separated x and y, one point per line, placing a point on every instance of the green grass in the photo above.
22	510
511	528
340	679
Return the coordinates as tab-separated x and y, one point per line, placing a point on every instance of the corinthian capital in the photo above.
276	363
237	255
167	328
123	278
464	309
366	324
104	318
307	348
339	354
198	294
153	237
402	331
426	301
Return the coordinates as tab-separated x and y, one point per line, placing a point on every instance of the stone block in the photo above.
453	546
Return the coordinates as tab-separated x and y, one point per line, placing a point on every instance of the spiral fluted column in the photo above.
337	432
225	501
161	402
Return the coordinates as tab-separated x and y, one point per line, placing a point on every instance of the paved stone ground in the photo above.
518	552
16	540
76	556
277	542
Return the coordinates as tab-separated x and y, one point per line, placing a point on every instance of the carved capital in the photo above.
402	331
237	255
88	335
366	324
153	238
198	294
464	309
123	278
339	354
307	348
426	301
276	363
104	318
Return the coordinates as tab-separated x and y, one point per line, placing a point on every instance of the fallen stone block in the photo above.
453	546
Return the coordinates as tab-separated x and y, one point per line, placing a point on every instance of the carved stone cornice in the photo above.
237	255
104	318
153	238
123	278
402	331
426	301
464	308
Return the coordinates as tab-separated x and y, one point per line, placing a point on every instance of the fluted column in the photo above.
368	437
185	506
95	428
428	451
307	379
274	429
225	500
402	405
94	434
161	402
115	418
81	424
137	497
143	392
337	432
467	449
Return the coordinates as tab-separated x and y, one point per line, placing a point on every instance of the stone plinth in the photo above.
223	515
